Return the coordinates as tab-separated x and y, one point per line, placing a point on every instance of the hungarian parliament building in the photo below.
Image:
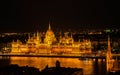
65	44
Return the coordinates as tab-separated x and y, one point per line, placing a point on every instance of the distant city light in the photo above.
107	30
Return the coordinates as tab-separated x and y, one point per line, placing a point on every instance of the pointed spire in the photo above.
109	56
49	26
109	47
37	35
28	35
71	35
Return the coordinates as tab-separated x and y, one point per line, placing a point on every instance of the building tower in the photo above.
38	38
49	36
66	40
109	57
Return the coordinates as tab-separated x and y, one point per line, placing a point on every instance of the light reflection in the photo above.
41	63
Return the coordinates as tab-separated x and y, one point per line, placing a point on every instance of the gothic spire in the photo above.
109	47
109	56
49	26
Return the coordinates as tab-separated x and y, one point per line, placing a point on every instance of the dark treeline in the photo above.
17	70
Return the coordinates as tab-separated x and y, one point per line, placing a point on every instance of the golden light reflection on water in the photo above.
41	63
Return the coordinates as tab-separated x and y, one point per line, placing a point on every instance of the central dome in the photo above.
49	32
49	36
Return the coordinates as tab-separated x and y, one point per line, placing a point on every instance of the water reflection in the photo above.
40	63
4	61
90	67
99	67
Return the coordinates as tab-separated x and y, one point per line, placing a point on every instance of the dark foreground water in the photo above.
90	67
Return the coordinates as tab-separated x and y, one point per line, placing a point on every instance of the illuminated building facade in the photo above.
65	44
32	45
66	39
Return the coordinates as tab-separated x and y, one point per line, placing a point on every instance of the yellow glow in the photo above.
66	44
41	63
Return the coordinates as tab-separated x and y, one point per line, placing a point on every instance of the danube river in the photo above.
90	66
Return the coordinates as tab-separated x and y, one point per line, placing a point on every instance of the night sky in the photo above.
32	15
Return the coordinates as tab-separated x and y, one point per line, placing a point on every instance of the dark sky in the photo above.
32	15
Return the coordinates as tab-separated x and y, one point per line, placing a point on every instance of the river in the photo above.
90	66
